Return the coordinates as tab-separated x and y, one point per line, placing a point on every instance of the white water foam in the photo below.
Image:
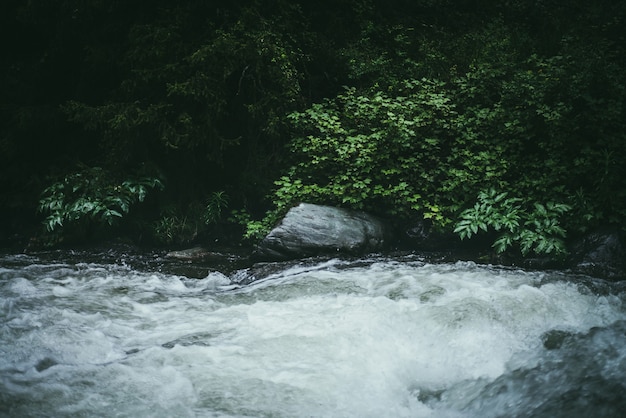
383	339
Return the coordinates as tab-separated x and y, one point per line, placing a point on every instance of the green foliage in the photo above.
254	230
172	227
402	153
536	230
373	150
214	207
504	118
207	93
182	226
443	103
177	227
92	196
202	97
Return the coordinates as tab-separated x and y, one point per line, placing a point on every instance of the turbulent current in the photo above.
377	337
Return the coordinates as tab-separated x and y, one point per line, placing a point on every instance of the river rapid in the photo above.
374	337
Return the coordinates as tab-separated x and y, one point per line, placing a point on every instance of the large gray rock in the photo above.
309	229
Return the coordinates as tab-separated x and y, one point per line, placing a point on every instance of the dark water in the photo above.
376	337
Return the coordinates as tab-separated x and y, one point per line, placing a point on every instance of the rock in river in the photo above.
309	230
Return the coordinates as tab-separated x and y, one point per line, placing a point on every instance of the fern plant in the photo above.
216	203
92	195
536	230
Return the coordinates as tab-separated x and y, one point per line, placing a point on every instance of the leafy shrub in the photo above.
401	154
92	196
372	150
214	207
536	230
174	227
503	119
254	230
178	226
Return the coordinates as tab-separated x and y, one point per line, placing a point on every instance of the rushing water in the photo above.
369	338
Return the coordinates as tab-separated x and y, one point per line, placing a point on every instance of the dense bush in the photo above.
91	197
535	229
512	123
177	226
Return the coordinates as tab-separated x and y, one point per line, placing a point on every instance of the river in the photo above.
373	337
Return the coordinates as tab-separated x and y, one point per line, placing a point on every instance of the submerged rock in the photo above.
309	230
198	261
193	254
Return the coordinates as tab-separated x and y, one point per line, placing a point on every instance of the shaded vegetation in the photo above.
173	123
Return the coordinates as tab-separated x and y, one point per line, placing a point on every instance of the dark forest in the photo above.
169	123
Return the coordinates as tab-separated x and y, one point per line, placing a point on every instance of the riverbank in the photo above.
199	261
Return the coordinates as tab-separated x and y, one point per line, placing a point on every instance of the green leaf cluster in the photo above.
178	226
536	230
503	118
373	149
254	230
92	195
